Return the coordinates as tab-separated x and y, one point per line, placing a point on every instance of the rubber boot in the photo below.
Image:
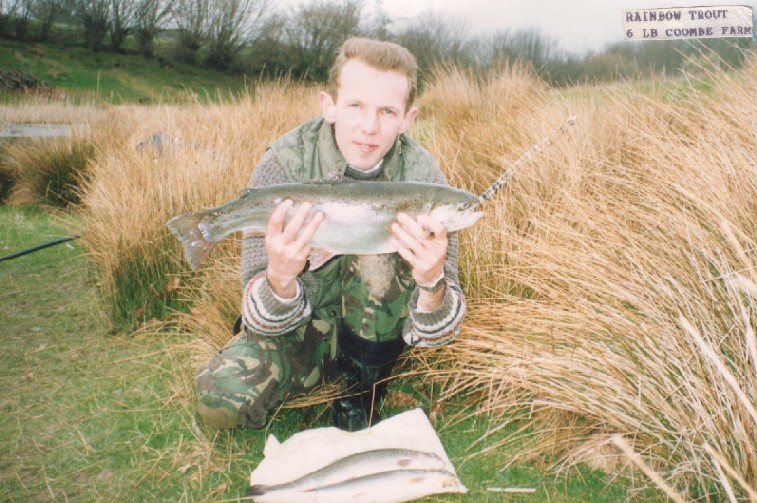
365	388
364	367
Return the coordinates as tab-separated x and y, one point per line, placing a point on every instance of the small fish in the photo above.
358	464
357	216
384	487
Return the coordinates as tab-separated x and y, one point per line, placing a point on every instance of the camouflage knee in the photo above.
232	387
253	374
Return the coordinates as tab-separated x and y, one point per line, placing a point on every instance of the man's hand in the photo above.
423	244
287	246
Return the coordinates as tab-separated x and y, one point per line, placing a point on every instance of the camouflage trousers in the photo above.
366	308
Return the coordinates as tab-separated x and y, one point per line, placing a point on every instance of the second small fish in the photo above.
356	465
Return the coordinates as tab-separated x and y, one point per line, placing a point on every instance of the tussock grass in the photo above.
175	160
611	285
47	170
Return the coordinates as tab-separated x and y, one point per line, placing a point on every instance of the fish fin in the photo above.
187	230
318	257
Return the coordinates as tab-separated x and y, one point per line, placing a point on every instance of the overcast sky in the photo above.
576	25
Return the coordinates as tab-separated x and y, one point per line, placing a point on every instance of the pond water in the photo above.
39	130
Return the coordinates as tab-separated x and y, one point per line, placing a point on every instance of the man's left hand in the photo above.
423	244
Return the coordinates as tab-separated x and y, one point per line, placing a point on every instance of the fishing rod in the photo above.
39	247
527	156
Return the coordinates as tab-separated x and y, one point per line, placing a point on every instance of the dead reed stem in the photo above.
621	443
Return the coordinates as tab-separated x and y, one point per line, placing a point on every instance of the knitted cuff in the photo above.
266	313
438	327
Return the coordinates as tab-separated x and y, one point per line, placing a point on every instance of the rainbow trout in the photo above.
357	215
357	465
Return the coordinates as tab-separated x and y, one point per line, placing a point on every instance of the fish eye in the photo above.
463	206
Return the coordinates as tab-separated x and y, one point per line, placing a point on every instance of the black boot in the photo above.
364	390
364	367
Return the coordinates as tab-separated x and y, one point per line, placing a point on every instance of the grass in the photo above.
93	416
83	76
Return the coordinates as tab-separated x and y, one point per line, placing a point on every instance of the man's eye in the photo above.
388	111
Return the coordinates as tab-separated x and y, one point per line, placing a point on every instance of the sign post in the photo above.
688	22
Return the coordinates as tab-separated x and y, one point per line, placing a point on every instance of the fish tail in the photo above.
187	230
261	489
256	490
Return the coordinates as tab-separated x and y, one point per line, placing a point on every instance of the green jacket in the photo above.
309	152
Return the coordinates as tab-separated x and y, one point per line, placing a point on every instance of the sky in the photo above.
576	25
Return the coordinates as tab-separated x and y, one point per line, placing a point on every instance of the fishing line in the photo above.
39	247
527	156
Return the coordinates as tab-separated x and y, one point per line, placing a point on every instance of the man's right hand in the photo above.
287	244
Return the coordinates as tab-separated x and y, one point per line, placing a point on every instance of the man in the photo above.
355	313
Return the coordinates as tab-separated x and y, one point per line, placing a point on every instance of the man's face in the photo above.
369	112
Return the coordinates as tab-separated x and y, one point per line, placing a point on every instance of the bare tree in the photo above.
149	17
16	15
269	53
5	15
375	23
47	12
192	18
122	22
93	17
316	30
230	27
435	38
526	46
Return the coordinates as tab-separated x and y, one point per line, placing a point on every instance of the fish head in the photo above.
456	210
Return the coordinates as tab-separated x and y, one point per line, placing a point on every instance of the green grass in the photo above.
116	78
93	416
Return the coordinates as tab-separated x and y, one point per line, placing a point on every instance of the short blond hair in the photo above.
379	55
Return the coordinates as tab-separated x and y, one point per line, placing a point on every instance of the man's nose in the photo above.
370	121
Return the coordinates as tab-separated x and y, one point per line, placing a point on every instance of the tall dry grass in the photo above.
613	285
169	160
46	170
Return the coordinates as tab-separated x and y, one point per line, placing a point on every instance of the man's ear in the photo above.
407	121
328	107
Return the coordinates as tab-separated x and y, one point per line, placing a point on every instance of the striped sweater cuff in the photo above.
267	314
439	327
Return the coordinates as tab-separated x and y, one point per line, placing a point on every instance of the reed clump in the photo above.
174	160
47	172
44	170
612	286
474	123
